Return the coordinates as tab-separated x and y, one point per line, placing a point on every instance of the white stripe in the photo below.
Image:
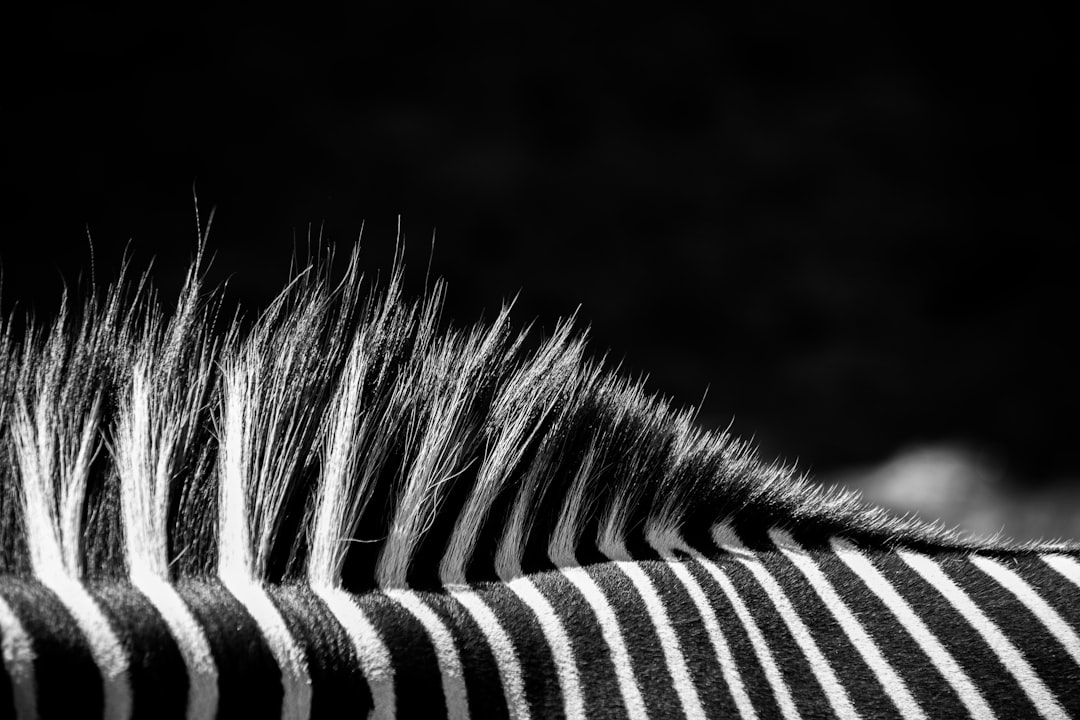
18	655
1047	615
835	693
757	640
609	628
370	649
295	683
940	657
557	640
105	647
505	656
715	633
1066	566
453	677
893	684
202	702
1006	652
669	641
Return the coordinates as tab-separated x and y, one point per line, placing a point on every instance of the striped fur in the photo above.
345	507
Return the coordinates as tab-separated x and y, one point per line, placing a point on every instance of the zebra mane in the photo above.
345	437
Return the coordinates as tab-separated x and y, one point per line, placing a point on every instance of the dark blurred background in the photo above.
846	227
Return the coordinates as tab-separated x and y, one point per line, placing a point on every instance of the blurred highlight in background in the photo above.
967	490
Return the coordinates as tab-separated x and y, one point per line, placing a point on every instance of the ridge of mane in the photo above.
347	439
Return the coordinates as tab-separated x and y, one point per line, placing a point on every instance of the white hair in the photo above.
348	437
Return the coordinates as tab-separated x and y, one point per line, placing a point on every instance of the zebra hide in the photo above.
345	506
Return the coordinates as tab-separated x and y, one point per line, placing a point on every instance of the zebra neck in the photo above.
753	626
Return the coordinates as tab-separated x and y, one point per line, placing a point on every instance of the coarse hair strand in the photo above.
348	439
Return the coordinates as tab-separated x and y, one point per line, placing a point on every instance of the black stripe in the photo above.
640	638
806	691
482	682
249	681
68	680
864	690
746	660
539	676
935	696
1058	592
980	664
418	686
697	649
156	669
1043	652
337	680
599	686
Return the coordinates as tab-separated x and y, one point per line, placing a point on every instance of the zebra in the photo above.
347	506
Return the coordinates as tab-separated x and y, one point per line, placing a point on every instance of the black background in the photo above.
850	225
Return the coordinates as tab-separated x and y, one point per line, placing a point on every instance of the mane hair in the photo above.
348	439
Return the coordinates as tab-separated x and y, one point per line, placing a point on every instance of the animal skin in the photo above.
345	504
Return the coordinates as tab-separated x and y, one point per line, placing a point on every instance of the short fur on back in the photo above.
347	438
